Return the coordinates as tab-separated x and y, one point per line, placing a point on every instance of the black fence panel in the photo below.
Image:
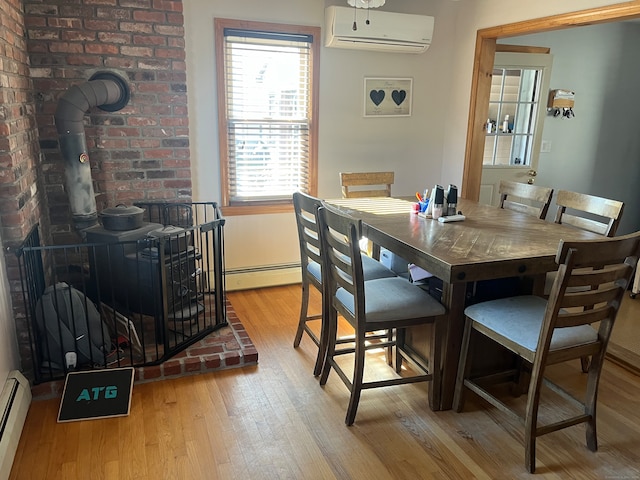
129	298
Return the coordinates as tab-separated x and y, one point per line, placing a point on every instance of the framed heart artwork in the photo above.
387	97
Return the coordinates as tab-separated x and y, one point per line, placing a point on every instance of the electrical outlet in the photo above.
545	147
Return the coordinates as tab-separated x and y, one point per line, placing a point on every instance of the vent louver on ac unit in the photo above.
386	31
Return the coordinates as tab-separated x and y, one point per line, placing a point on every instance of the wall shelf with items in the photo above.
561	102
561	99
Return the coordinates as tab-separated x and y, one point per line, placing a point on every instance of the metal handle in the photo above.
532	173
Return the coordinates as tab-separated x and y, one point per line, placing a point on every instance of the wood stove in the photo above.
178	279
144	274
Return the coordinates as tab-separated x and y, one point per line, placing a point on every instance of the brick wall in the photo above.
140	152
19	153
21	200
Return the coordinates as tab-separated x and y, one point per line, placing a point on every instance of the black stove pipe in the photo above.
107	91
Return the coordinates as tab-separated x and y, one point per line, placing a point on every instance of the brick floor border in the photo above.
228	347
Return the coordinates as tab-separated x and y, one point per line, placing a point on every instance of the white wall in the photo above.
473	15
424	149
411	146
598	151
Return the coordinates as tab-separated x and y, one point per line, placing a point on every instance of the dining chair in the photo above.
530	199
602	214
546	332
587	212
306	207
519	197
366	184
598	215
390	303
363	185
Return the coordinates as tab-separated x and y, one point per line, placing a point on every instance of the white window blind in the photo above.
268	102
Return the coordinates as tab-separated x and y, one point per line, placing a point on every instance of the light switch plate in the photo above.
545	147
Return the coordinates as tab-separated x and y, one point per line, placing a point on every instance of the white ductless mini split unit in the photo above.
385	31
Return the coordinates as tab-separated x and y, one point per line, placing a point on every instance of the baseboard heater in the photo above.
262	276
14	405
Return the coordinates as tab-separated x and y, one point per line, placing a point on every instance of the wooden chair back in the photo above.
366	184
340	242
596	292
306	212
538	198
305	208
608	211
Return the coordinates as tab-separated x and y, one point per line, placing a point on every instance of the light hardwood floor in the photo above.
274	421
625	336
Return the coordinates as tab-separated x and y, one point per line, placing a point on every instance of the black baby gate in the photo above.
157	289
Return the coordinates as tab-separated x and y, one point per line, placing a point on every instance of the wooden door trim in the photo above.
483	67
504	48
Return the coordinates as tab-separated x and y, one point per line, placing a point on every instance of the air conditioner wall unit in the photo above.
386	31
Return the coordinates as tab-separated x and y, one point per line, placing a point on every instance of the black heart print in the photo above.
376	96
398	96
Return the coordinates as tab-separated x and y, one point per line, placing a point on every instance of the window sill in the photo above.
233	210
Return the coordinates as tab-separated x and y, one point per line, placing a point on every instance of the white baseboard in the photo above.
260	277
14	405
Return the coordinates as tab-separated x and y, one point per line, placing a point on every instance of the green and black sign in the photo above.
96	394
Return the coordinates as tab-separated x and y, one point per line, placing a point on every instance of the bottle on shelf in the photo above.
505	124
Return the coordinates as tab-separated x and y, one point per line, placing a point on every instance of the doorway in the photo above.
483	67
514	120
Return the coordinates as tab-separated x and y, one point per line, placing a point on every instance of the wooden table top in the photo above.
490	243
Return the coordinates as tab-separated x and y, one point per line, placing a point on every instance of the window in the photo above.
267	102
513	108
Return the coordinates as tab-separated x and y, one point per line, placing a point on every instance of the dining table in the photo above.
490	243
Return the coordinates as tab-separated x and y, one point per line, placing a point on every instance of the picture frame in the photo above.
388	97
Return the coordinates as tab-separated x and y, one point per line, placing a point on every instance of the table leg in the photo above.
374	250
453	297
539	284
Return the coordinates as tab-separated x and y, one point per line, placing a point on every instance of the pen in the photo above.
418	196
